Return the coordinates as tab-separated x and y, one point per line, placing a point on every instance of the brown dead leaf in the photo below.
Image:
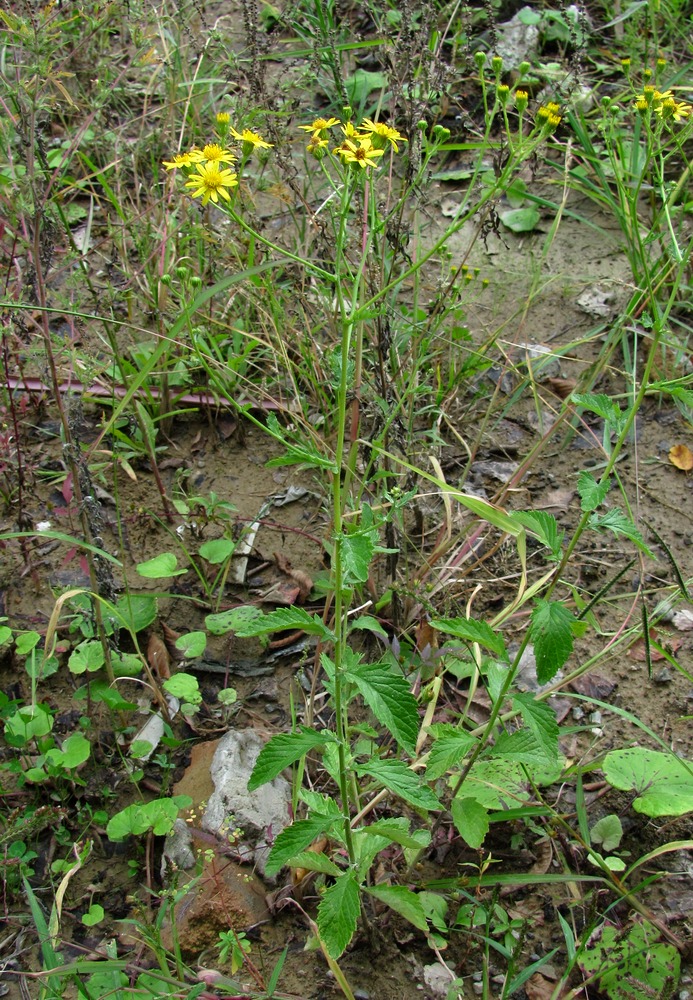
170	638
301	579
638	651
538	987
562	387
157	657
558	499
593	685
682	457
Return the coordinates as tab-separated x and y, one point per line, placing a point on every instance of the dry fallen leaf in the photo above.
683	620
682	457
158	658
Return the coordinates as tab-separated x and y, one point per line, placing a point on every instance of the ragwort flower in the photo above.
381	134
364	154
213	153
253	139
320	125
178	161
211	181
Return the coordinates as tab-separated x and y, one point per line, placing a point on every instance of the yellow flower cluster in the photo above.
547	116
362	145
662	103
207	177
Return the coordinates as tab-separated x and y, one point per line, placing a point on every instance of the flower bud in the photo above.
480	59
497	66
521	100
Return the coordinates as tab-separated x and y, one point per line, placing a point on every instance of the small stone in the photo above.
478	988
578	713
595	718
362	995
663	676
684	994
477	976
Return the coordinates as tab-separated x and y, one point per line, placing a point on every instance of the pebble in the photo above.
684	995
663	676
362	995
595	718
477	976
478	988
578	713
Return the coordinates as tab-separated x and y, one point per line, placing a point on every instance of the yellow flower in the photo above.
317	147
210	182
214	153
670	108
363	153
179	160
351	132
382	134
223	118
521	100
320	125
641	104
254	140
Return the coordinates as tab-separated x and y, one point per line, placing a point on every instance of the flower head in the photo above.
351	132
381	134
362	153
320	125
253	139
179	160
210	181
214	153
521	100
317	147
223	118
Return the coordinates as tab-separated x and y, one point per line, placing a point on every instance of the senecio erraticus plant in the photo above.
357	163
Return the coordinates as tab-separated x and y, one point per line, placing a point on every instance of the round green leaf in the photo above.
192	644
94	915
520	220
163	565
217	550
663	781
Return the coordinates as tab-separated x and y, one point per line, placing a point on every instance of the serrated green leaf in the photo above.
450	748
397	833
663	782
402	901
544	526
285	618
161	566
592	493
633	965
338	913
314	862
472	631
357	552
471	821
388	696
540	718
618	522
401	781
284	750
520	745
364	622
295	839
601	404
552	636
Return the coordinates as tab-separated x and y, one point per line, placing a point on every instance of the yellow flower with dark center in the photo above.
254	139
317	147
669	108
351	132
320	125
364	154
179	160
381	134
211	181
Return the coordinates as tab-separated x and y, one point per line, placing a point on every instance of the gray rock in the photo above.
517	42
260	814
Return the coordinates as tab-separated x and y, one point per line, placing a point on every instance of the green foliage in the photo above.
663	782
159	815
551	632
630	962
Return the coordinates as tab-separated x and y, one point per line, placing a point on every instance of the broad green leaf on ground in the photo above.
192	644
551	634
357	552
544	526
160	567
507	787
472	631
633	965
620	524
592	493
388	696
235	618
338	913
87	656
664	782
159	815
520	220
401	781
608	832
217	550
471	820
285	618
402	901
185	687
360	84
295	839
75	750
283	751
450	748
132	612
541	719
